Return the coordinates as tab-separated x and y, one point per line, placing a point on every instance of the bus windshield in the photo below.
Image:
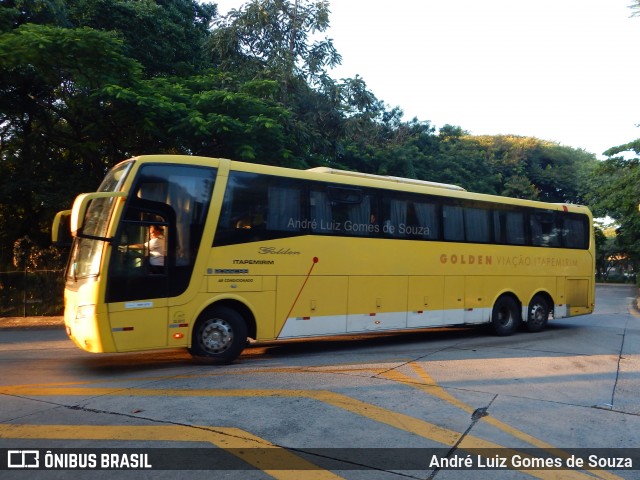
86	253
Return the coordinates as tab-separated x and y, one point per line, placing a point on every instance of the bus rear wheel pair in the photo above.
505	316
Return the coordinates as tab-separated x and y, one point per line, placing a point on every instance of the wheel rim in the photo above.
504	317
538	314
217	336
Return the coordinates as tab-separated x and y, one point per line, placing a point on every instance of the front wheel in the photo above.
505	316
538	314
219	336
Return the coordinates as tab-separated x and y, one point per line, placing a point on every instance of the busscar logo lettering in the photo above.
23	459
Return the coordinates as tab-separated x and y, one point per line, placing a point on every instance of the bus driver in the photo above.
156	246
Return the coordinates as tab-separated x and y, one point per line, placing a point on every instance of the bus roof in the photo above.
408	181
350	176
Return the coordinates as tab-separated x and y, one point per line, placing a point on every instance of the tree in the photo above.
526	167
615	192
54	132
165	36
210	114
459	159
73	103
14	13
273	39
277	40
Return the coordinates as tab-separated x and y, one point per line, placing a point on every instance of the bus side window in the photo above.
343	211
575	232
453	222
395	213
244	209
362	219
260	207
476	222
544	232
127	260
509	227
428	216
411	217
284	208
320	211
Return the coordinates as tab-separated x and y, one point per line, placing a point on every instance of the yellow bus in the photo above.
243	251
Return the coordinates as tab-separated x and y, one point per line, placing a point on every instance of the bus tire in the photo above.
219	336
505	316
537	314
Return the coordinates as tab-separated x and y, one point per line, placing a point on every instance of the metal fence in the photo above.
31	293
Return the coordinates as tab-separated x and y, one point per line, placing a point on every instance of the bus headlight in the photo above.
85	311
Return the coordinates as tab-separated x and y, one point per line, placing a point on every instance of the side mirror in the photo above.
81	204
61	236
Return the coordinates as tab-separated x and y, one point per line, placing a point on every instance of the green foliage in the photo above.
73	103
525	167
14	13
206	117
165	36
87	83
615	192
273	39
51	124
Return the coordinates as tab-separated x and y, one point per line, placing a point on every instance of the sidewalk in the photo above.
31	322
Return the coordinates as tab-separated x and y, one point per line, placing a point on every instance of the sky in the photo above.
560	70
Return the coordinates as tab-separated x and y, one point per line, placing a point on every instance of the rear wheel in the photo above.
505	316
538	314
219	336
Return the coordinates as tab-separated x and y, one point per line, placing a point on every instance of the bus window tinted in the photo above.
263	207
575	231
259	207
544	232
509	227
453	222
476	223
340	211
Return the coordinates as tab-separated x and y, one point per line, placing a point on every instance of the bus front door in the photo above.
138	285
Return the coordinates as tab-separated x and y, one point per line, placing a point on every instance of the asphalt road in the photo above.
389	407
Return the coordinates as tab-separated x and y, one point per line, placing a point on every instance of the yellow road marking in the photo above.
252	371
394	419
238	442
431	387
